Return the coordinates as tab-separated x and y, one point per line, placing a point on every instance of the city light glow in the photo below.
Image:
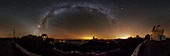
87	38
124	36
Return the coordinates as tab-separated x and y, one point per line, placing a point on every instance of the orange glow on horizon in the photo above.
87	38
124	36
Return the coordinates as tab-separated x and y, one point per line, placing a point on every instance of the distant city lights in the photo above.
124	36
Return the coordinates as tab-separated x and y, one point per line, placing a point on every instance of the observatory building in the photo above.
158	33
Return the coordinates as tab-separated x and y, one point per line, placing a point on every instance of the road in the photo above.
154	48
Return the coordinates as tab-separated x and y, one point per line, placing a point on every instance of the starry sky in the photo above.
77	19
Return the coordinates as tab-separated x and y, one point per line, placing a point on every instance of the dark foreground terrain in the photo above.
154	48
7	48
93	47
37	46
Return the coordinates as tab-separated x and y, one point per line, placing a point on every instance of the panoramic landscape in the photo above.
84	28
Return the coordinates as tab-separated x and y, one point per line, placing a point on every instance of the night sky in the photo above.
69	19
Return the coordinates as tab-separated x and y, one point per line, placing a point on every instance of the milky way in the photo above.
71	18
83	18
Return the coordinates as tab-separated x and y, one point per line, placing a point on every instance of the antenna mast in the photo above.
13	32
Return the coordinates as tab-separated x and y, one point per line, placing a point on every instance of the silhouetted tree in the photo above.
147	37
